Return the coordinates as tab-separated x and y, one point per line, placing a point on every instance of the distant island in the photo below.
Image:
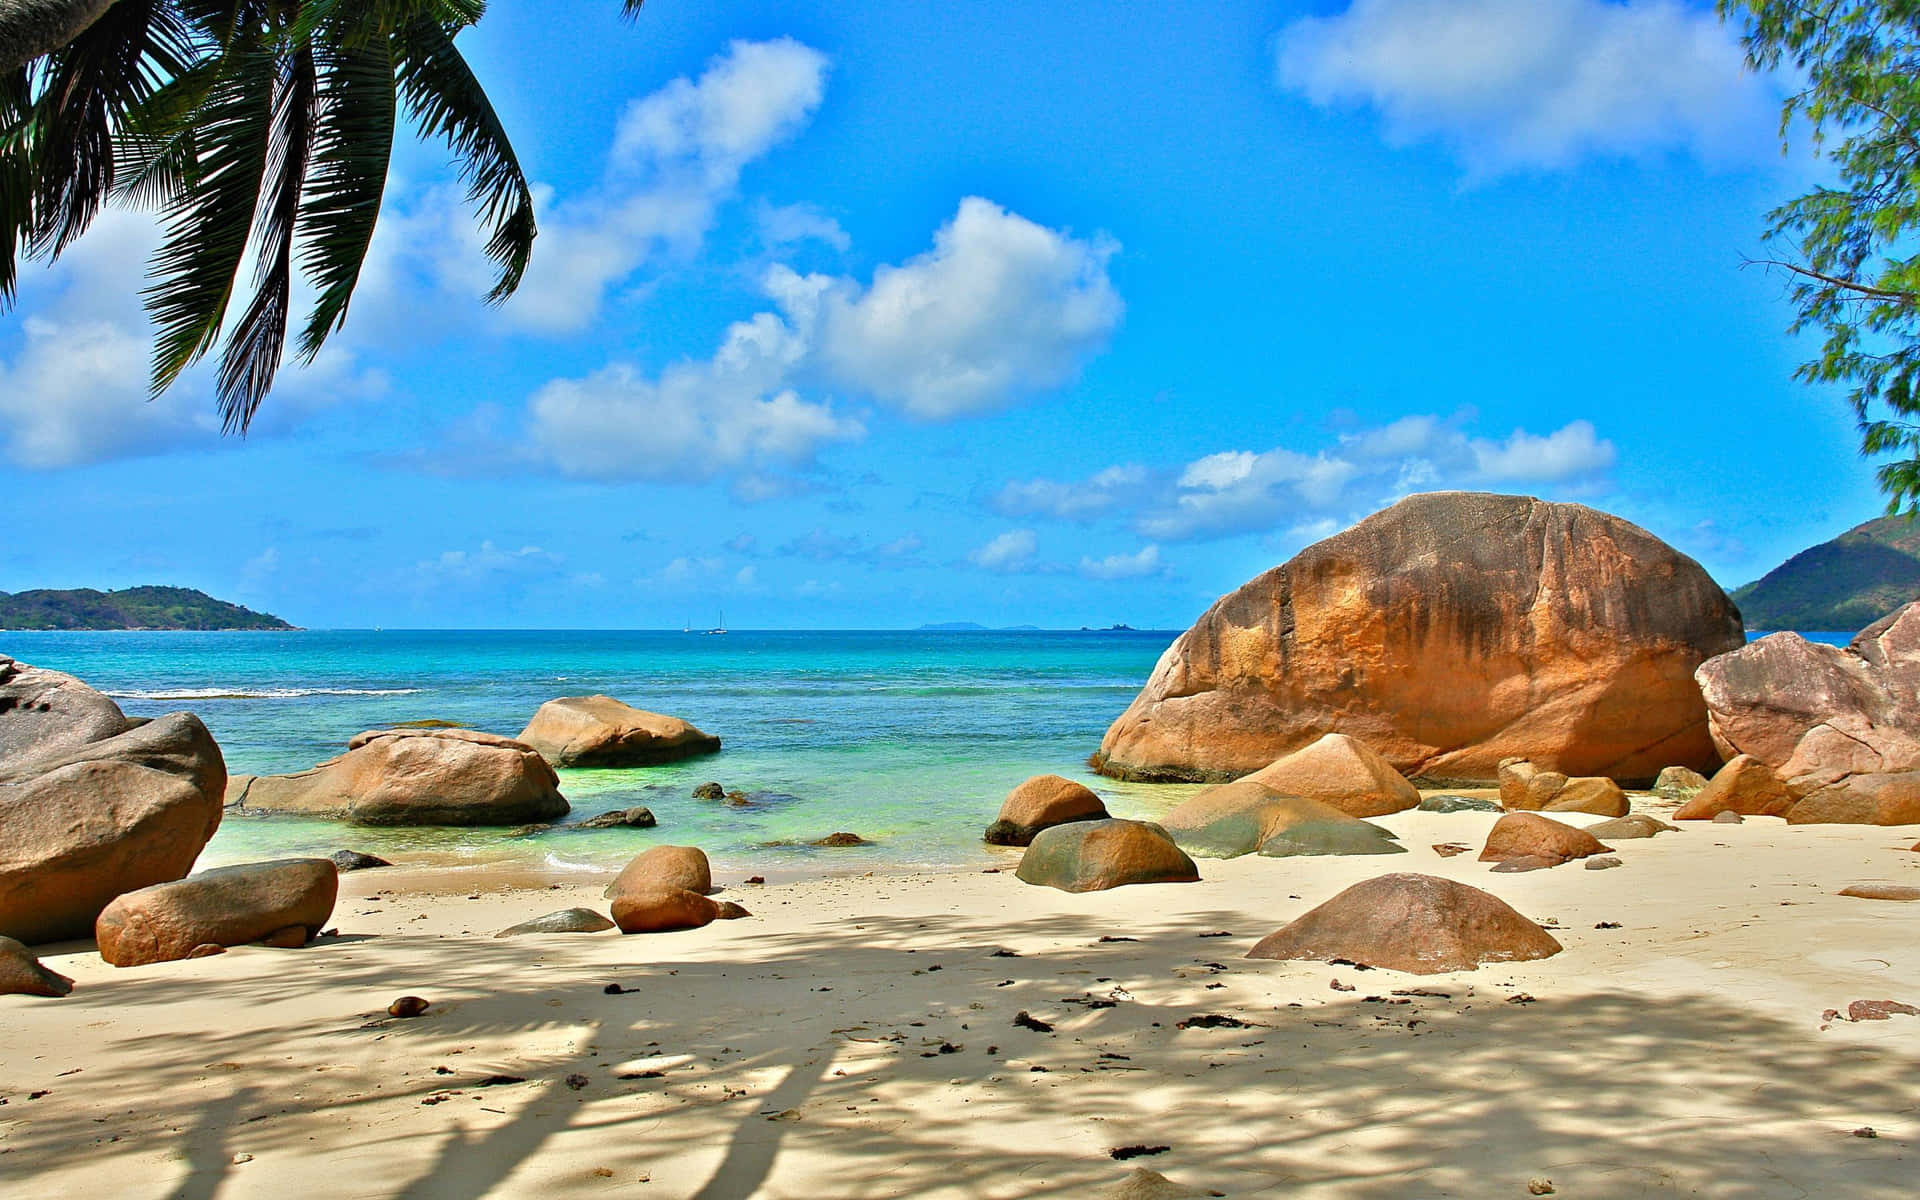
128	608
971	627
1839	586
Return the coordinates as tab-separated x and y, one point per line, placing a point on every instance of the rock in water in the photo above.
621	818
1746	786
415	777
87	823
1455	804
1678	783
43	713
353	860
1244	817
1091	856
1041	803
1627	828
1344	772
1415	923
709	791
1447	633
1521	836
599	731
1840	726
567	920
21	974
841	839
227	906
677	867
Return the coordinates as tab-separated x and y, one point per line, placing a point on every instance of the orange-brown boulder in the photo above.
288	901
1245	817
1591	794
1530	836
1344	772
1091	856
682	868
599	731
656	909
22	974
1880	798
84	824
1415	923
1449	632
414	777
1881	891
1041	803
1526	788
1746	786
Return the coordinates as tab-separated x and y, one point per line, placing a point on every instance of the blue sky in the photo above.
867	315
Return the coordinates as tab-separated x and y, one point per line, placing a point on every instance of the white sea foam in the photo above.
214	693
562	864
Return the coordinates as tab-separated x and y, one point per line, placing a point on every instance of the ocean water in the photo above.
910	740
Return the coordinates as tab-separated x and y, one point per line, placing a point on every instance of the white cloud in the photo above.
1008	553
1000	308
791	224
1570	452
1138	565
1536	83
1080	500
488	563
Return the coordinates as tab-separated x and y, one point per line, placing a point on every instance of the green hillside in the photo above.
1842	585
128	608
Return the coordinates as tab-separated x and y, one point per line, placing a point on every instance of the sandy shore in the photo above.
856	1038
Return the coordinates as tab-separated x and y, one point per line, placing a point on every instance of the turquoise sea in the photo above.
907	739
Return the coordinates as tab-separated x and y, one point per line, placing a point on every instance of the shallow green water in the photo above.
908	739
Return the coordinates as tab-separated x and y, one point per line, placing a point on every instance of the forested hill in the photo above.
128	608
1839	586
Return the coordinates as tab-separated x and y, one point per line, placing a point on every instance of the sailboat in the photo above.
721	627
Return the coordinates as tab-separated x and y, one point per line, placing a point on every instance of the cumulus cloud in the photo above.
1536	83
791	224
1138	565
1009	553
1079	500
1001	307
487	564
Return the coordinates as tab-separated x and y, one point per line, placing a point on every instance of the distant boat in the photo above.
686	627
721	627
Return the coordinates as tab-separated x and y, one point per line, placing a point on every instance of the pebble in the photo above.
408	1006
1540	1185
1603	862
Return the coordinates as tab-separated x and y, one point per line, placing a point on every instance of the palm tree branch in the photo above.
352	145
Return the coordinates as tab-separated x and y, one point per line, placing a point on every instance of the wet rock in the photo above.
621	818
599	731
1088	856
841	839
1416	923
1881	891
22	974
227	906
455	777
1522	835
709	791
1041	803
567	920
353	860
1454	804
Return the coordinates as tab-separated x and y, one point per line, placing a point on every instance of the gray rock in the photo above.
1729	818
45	712
567	920
1633	825
1603	862
709	791
1454	804
628	818
353	860
1678	783
21	974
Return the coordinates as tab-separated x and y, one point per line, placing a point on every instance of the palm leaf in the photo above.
252	356
207	227
447	101
352	145
16	178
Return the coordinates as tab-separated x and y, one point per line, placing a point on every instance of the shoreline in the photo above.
855	1037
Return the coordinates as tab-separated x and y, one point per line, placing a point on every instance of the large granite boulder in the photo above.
1542	841
22	974
1344	772
682	868
1526	788
414	777
664	909
1447	633
1041	803
1415	923
1246	818
1091	856
44	713
599	731
83	824
288	900
1839	723
1746	786
1630	828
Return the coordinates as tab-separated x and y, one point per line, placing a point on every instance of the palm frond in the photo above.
157	152
16	178
352	145
207	228
447	101
252	356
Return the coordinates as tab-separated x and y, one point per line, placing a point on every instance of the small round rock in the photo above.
408	1006
1603	862
1729	817
1540	1185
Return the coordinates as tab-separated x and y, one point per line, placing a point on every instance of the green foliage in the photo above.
128	608
1856	278
1841	585
261	131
